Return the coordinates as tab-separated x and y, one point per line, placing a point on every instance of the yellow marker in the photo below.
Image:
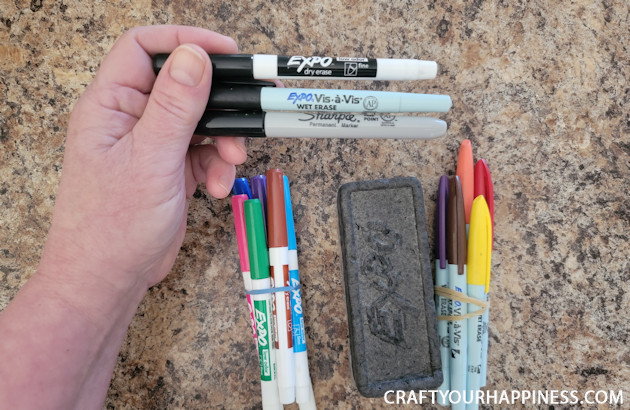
479	258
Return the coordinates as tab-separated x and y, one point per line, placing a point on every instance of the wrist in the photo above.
97	293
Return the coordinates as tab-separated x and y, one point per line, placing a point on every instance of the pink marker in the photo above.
241	239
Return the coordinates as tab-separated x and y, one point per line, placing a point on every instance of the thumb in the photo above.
177	101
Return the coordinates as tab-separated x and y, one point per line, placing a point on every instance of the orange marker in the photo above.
466	174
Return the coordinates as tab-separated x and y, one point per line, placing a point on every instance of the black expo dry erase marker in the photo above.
271	67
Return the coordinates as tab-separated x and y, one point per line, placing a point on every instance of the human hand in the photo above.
129	167
120	216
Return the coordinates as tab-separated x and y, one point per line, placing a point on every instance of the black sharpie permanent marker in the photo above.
318	125
271	67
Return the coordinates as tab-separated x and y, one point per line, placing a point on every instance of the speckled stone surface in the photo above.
540	88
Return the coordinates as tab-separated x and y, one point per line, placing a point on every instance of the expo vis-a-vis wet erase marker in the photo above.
279	266
271	67
303	387
241	239
262	303
226	96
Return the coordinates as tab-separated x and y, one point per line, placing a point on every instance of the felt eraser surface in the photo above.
388	286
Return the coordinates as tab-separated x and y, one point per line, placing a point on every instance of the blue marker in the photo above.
268	98
241	186
303	386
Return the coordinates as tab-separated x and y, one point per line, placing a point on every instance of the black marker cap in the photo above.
234	96
224	66
232	123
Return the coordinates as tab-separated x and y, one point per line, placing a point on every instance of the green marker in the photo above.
263	314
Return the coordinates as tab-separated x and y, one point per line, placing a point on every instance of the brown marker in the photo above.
279	263
456	226
456	255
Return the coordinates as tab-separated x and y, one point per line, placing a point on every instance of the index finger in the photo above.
128	64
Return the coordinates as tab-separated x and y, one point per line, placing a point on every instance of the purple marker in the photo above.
441	279
259	191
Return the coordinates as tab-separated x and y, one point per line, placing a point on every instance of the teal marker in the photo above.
263	314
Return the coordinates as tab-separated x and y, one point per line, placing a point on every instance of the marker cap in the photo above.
241	232
259	191
288	208
258	253
224	66
442	206
483	186
465	172
455	226
241	186
479	244
276	214
234	96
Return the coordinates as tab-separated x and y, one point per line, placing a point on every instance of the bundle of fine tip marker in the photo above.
464	225
263	218
241	103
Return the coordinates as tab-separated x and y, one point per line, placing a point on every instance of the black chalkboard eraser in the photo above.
388	286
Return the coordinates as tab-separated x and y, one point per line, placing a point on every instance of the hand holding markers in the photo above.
241	104
467	333
275	282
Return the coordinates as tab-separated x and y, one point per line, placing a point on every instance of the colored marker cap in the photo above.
276	214
241	232
241	186
289	211
258	252
456	226
483	186
479	244
465	172
259	191
442	205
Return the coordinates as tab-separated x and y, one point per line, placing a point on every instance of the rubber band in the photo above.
460	297
273	290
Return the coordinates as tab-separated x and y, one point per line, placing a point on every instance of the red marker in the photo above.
483	186
279	262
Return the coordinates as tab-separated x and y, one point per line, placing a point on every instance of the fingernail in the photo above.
225	183
240	144
187	66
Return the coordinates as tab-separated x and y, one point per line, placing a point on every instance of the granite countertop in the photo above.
542	91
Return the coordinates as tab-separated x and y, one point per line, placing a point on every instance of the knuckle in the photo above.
176	108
